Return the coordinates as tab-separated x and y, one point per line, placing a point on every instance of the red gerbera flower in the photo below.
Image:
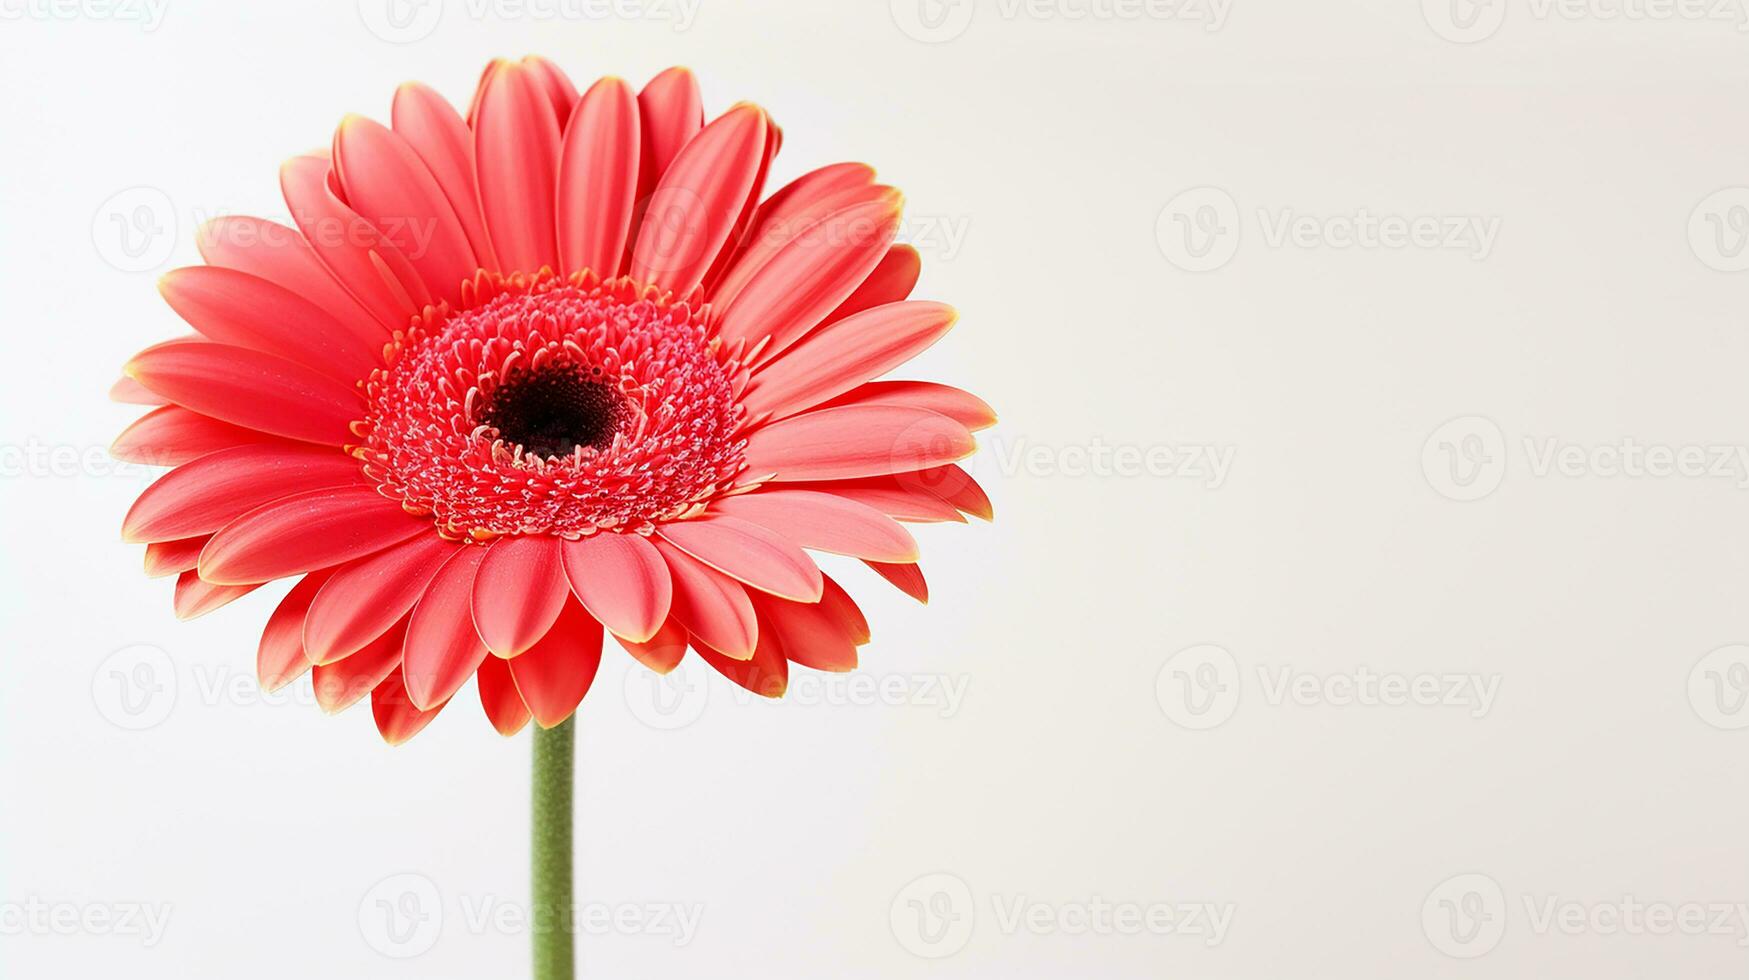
545	369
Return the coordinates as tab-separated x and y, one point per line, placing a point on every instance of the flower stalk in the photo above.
553	906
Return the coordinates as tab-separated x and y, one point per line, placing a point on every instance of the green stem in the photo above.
553	919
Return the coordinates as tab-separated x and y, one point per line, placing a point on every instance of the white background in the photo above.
1084	764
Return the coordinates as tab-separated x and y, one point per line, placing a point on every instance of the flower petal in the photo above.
671	112
790	213
598	179
856	441
172	435
367	596
251	389
195	597
443	649
891	281
387	183
954	485
436	132
890	496
280	255
696	203
662	652
354	251
279	659
343	683
824	522
711	605
304	532
907	578
622	581
203	496
811	275
174	557
838	357
556	85
555	673
808	633
516	151
131	392
962	406
397	718
242	310
518	592
749	553
504	707
765	673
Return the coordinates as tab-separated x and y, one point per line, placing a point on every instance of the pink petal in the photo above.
856	441
555	673
739	236
251	389
765	672
598	179
748	553
662	652
131	392
790	213
308	531
354	251
202	496
671	112
889	495
504	707
516	148
811	275
367	596
386	181
907	578
809	634
622	581
695	205
443	649
555	84
838	357
397	717
242	310
891	281
195	597
344	683
824	522
518	592
954	485
280	255
437	133
280	659
710	605
174	557
172	435
843	608
962	406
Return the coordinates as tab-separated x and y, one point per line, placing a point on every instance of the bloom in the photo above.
547	371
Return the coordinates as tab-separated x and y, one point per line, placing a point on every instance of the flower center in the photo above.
553	412
551	405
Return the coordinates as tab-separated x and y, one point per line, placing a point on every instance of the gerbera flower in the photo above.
545	371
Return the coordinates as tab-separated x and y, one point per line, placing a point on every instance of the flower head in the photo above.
546	372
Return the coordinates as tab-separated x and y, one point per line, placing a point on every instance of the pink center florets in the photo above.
555	405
